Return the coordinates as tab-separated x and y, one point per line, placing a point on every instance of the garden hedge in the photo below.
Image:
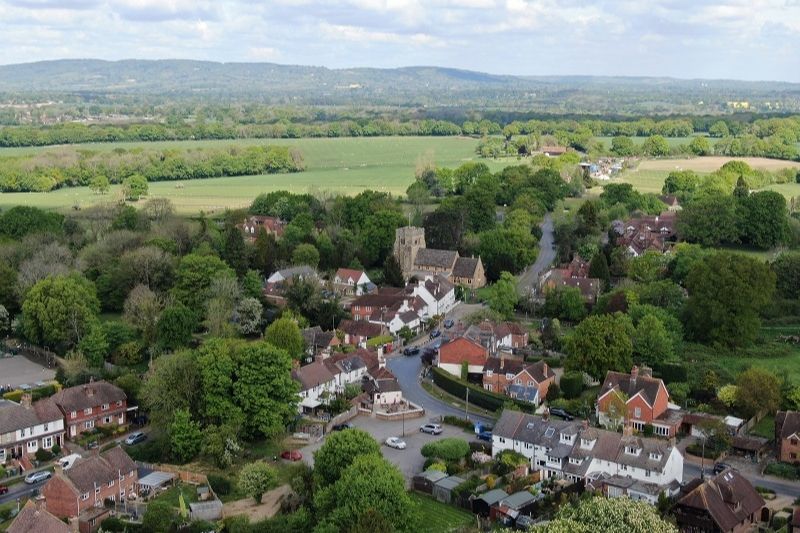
477	395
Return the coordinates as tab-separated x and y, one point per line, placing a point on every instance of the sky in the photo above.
731	39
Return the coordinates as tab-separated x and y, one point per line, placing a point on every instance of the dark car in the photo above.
485	435
560	413
342	427
435	333
449	323
719	467
411	351
3	489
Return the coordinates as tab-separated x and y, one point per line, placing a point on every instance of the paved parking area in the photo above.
19	370
409	461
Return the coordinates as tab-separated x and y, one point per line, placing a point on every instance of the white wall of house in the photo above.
455	369
434	306
386	398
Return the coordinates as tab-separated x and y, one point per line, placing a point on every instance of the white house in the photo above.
438	294
574	451
316	382
351	281
26	427
403	319
300	272
346	370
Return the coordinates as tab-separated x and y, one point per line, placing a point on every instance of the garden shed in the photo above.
425	481
443	489
482	505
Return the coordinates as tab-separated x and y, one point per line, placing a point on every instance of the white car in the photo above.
36	477
396	442
68	461
433	429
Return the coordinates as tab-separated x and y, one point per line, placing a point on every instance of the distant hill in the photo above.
434	86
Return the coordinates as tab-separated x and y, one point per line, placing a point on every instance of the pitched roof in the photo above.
312	375
316	338
540	371
13	417
361	328
89	395
428	257
462	349
728	497
349	274
787	423
465	267
47	410
301	270
631	386
438	286
99	469
33	520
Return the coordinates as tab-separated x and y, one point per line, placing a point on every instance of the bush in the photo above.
459	422
221	485
648	430
43	455
697	451
56	449
784	470
672	372
454	468
449	449
572	384
477	395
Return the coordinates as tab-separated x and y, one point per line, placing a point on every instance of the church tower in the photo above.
407	241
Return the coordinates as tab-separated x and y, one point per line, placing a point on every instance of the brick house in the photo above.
97	403
26	427
517	379
511	335
252	224
646	400
787	436
468	271
358	332
725	503
78	492
462	349
33	518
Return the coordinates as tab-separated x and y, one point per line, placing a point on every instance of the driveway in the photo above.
409	461
546	256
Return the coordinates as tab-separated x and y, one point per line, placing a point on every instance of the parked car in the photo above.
435	333
342	427
135	438
719	467
560	413
433	429
485	435
92	445
292	455
437	344
68	461
3	489
449	323
36	477
411	351
396	442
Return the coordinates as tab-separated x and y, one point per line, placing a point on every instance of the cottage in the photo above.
288	274
468	272
271	225
34	518
358	332
725	503
26	427
517	379
319	342
351	282
462	350
316	383
109	476
787	436
646	401
95	404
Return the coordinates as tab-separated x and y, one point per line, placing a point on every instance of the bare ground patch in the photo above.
270	505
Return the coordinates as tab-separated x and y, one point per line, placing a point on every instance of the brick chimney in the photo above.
634	373
627	430
25	400
546	414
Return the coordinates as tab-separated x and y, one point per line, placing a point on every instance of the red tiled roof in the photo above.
461	349
349	274
33	520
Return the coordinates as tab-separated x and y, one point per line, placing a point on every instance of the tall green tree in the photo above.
216	362
787	271
194	276
764	219
306	254
175	326
392	272
598	268
134	187
502	297
709	220
185	436
285	334
265	250
655	146
651	341
257	478
370	493
94	346
727	292
173	384
58	311
339	451
607	514
234	252
758	390
264	389
565	303
599	344
377	236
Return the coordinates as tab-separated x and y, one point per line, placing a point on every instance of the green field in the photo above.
437	516
340	165
783	366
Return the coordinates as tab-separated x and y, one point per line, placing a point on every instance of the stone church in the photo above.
417	260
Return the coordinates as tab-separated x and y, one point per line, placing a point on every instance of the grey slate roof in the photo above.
493	496
312	375
449	483
427	257
13	417
519	499
99	469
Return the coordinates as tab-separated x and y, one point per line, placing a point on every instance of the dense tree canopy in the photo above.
599	344
59	311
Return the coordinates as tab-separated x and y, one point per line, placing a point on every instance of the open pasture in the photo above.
339	165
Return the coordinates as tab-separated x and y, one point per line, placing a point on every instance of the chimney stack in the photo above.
627	430
634	373
25	400
585	424
502	361
546	414
646	371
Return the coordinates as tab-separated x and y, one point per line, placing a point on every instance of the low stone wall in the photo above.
341	418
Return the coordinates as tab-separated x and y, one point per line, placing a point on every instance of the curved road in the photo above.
547	254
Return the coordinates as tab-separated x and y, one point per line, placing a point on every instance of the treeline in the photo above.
71	168
577	133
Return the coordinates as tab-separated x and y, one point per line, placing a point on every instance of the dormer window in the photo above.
489	373
586	443
509	377
655	456
575	460
565	439
632	450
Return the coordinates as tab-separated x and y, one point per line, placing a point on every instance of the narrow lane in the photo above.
545	258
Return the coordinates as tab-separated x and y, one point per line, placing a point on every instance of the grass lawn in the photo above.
765	428
341	165
786	362
437	516
172	495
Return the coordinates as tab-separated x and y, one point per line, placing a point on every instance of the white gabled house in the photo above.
351	281
574	451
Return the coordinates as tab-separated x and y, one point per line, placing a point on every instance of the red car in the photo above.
292	455
3	489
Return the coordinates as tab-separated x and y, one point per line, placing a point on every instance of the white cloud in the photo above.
364	35
263	53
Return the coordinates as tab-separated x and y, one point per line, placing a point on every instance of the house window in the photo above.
85	496
47	442
107	420
518	381
646	473
105	406
489	387
73	414
793	455
637	412
96	491
89	424
119	403
488	373
45	426
111	483
793	441
32	445
502	440
87	411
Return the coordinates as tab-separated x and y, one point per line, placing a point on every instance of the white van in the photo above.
68	461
